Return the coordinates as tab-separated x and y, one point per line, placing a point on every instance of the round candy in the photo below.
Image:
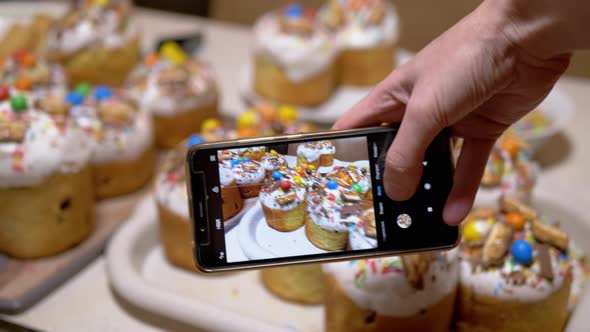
285	185
4	93
283	168
470	232
194	140
24	84
74	98
244	159
151	59
277	175
522	252
516	220
210	124
273	151
298	180
102	92
28	60
18	104
246	132
173	52
83	88
234	162
511	145
357	187
247	119
294	10
312	167
332	184
287	113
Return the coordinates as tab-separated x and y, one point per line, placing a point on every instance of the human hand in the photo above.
477	78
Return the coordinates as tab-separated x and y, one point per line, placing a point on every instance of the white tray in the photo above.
238	302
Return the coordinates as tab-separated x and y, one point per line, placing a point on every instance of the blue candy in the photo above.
102	92
332	184
294	10
244	159
234	162
277	175
522	252
194	140
74	98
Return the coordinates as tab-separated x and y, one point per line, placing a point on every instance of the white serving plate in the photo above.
260	241
140	273
233	302
341	100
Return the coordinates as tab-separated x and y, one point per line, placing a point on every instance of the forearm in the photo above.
545	28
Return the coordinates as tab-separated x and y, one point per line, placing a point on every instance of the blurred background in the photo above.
422	20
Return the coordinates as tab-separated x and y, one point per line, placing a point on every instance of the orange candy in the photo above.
23	84
2	62
28	60
267	110
511	145
247	132
151	59
516	220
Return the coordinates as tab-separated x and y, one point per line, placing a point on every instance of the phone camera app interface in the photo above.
297	199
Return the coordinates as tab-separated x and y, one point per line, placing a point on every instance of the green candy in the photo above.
83	88
357	187
18	104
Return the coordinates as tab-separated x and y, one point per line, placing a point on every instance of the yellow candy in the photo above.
282	168
287	113
273	152
210	124
470	232
173	52
311	166
101	2
247	119
298	180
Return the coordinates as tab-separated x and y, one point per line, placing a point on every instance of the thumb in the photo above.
403	166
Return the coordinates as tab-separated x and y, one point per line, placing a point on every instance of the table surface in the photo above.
88	303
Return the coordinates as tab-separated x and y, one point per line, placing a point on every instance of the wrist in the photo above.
543	28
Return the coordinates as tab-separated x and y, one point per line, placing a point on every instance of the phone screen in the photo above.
321	197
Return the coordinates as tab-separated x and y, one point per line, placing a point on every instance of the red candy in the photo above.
285	185
4	93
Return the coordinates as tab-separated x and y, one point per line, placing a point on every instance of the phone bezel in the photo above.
294	138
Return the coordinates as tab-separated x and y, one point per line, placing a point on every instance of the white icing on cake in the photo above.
358	238
492	283
226	176
248	173
197	91
46	149
272	162
299	57
326	213
326	147
172	194
272	191
358	33
381	285
495	281
127	143
309	151
96	26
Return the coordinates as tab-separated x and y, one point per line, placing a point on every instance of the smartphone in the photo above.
313	197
